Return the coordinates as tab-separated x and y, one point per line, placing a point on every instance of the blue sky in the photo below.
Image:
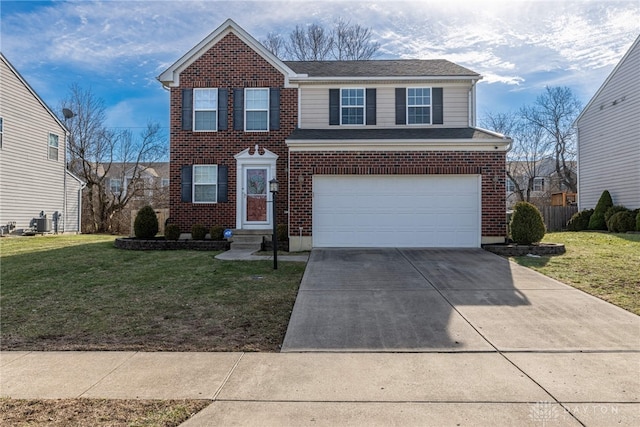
118	48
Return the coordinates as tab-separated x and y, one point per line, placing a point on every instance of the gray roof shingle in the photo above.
392	134
381	68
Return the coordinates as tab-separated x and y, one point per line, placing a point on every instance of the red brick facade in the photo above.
230	64
303	165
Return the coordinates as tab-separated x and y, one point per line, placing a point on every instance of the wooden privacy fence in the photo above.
556	217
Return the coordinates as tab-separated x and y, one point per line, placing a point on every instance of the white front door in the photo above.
254	171
255	195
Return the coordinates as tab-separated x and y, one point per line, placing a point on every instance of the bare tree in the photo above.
275	44
97	154
345	41
353	41
554	112
312	43
530	149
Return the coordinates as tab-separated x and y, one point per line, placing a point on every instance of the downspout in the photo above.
472	103
64	186
82	187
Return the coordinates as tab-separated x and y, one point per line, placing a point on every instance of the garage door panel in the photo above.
396	211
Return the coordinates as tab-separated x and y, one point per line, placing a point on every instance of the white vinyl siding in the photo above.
28	124
608	142
1	130
314	104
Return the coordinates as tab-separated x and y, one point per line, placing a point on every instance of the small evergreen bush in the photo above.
621	222
217	232
198	232
145	225
527	225
638	221
580	220
282	232
611	212
597	221
171	232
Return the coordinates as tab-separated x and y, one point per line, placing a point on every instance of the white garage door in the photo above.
396	211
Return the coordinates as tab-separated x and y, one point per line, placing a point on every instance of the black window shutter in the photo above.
334	106
436	96
187	109
238	109
371	106
274	108
223	99
223	183
401	106
185	183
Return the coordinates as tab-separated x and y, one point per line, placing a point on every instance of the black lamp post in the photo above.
273	188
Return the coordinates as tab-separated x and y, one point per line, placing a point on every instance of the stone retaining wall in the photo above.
165	245
521	250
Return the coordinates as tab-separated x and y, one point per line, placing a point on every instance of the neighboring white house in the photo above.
33	175
609	137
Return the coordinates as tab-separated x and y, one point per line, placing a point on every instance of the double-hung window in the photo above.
205	109
352	106
53	146
511	186
538	184
205	183
256	109
418	105
115	185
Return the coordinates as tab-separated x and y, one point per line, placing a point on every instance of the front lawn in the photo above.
602	264
81	293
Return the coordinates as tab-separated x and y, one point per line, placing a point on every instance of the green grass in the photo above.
81	293
602	264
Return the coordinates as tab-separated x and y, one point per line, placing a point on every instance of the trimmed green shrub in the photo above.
527	225
145	225
597	221
198	232
217	232
171	232
282	232
612	211
638	221
580	220
621	222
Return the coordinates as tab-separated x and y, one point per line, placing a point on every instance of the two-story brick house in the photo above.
367	153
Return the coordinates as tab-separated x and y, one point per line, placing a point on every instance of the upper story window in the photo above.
538	184
511	186
352	105
53	146
115	185
205	108
205	183
164	182
419	105
256	109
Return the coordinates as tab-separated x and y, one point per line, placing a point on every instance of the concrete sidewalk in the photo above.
478	388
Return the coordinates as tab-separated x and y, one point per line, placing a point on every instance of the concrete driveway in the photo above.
467	300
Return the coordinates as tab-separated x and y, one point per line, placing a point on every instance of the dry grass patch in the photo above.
95	412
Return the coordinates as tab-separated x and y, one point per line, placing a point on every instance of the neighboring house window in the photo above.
419	105
53	147
205	183
538	184
115	185
164	182
256	109
511	186
1	130
205	108
352	106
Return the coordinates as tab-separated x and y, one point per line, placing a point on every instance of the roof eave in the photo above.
305	78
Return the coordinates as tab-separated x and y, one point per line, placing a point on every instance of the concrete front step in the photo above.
248	239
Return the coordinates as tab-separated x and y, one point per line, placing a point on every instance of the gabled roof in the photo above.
382	68
634	45
171	77
33	92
